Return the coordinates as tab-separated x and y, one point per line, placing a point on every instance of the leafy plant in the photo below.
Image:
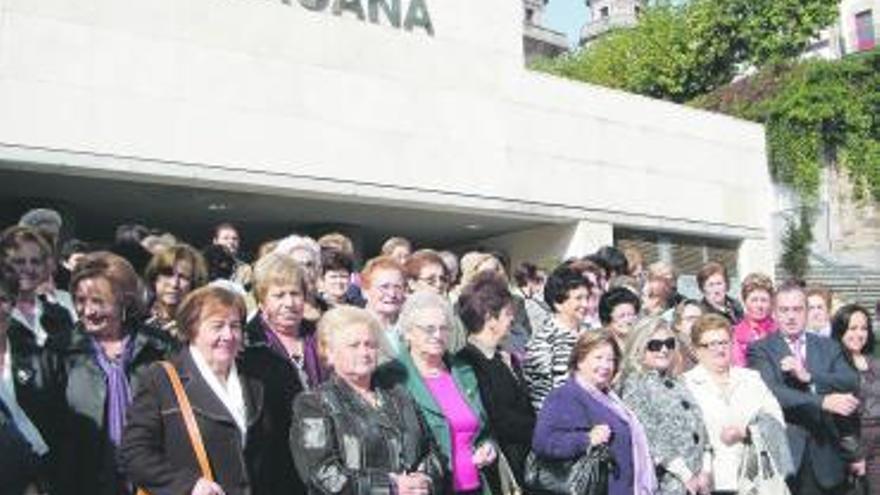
796	244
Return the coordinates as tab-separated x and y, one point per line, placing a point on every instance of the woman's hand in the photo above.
207	487
705	482
732	434
600	434
858	468
411	484
484	455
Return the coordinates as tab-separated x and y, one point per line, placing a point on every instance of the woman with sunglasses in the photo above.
729	397
672	420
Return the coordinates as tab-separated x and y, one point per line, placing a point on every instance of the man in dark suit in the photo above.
813	382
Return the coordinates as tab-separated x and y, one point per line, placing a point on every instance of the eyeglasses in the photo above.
390	288
435	280
656	345
432	330
715	344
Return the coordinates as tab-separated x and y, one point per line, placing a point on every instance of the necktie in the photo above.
797	348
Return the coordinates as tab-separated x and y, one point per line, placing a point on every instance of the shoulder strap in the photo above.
192	428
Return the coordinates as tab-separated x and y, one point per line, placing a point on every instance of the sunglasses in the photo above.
656	345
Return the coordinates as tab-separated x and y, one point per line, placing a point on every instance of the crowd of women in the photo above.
155	366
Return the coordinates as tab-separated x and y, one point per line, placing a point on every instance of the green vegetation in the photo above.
816	113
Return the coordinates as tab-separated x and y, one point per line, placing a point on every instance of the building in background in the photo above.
179	115
539	40
856	30
606	15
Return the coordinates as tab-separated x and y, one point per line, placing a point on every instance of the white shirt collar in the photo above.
230	394
40	334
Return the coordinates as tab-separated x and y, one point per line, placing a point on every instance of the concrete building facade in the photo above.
285	116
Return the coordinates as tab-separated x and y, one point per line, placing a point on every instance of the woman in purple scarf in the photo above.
585	411
281	291
108	348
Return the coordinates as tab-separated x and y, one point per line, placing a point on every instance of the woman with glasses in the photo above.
446	391
425	271
729	397
672	420
384	285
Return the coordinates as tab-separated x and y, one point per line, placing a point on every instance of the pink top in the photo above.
463	427
747	331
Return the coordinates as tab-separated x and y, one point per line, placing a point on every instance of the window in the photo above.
865	30
638	10
604	13
530	16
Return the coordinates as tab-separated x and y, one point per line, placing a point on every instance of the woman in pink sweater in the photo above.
757	296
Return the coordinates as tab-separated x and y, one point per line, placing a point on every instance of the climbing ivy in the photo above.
817	113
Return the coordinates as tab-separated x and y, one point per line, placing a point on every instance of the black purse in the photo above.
587	475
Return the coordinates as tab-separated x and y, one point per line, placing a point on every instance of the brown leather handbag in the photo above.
192	428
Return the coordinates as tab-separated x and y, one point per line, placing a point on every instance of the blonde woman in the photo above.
669	413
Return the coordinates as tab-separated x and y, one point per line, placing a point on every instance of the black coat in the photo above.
505	397
156	450
88	458
39	390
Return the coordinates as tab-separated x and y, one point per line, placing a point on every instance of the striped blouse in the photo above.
547	355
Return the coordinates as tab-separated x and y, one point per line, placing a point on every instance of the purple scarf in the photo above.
118	390
311	363
644	477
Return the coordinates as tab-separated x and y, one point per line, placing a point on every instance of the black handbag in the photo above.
587	475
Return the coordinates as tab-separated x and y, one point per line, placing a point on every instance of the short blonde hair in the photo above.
707	323
661	270
342	318
277	269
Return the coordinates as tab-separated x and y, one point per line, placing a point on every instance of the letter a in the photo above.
392	12
353	6
417	15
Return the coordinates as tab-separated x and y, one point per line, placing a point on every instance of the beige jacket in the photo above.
744	397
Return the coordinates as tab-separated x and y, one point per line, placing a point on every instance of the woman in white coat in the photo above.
730	398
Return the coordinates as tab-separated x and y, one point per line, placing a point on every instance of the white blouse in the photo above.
736	405
230	394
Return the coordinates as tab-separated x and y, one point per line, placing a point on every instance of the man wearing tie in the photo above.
813	382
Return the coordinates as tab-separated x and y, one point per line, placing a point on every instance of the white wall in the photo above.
262	95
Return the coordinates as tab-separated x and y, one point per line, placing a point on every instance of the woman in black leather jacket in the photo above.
352	436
